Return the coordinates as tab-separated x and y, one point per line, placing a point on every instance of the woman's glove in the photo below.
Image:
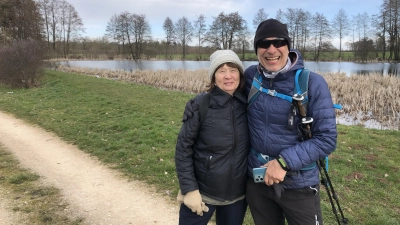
193	201
180	197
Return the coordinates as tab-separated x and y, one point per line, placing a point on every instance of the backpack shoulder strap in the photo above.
203	107
255	88
301	84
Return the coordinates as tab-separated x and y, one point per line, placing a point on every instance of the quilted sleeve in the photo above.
324	133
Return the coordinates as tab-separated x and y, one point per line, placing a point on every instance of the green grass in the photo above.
133	128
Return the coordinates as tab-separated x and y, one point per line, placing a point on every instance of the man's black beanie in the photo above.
271	28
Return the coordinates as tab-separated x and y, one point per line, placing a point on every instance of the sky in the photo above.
96	14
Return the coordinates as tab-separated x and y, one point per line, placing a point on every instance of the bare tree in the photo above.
44	9
125	21
290	19
320	33
304	21
242	40
169	30
54	20
297	21
200	29
114	31
358	24
122	35
237	26
71	25
340	26
392	11
365	23
184	33
62	24
381	28
224	30
141	31
361	22
280	15
259	17
217	32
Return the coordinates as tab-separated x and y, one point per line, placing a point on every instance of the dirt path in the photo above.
95	192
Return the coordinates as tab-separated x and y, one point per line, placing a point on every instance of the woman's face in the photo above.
227	78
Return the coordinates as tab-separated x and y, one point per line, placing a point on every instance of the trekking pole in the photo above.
306	134
326	181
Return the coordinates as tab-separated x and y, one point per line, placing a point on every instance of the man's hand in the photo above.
274	173
189	110
193	201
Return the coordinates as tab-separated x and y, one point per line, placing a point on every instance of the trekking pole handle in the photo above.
305	121
299	99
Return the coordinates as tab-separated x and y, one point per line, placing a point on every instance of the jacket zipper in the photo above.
233	152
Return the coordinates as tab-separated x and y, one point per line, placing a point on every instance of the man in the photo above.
291	183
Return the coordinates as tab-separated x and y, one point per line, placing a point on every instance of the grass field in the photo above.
133	128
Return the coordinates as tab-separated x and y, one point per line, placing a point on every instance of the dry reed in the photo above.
363	97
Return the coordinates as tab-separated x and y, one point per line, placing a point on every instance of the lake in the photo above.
323	67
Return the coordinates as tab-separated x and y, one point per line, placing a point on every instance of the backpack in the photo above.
203	107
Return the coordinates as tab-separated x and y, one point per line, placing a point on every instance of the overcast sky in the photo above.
96	13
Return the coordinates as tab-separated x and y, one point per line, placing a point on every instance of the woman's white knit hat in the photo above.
223	56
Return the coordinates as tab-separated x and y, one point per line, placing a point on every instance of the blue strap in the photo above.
257	84
327	163
260	157
337	106
269	158
296	82
309	167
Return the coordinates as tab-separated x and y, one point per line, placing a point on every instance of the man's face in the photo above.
273	53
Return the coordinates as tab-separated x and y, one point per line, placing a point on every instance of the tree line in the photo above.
58	24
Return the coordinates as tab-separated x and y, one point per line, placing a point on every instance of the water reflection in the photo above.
322	67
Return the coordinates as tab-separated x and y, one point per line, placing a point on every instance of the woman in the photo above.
211	155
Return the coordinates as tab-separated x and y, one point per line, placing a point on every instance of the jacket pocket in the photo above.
208	163
207	167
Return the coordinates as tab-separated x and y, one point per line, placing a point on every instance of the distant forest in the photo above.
58	25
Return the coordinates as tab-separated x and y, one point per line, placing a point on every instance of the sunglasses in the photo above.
277	43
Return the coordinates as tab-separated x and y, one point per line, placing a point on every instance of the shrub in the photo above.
21	63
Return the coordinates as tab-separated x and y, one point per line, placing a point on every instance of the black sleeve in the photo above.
184	146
